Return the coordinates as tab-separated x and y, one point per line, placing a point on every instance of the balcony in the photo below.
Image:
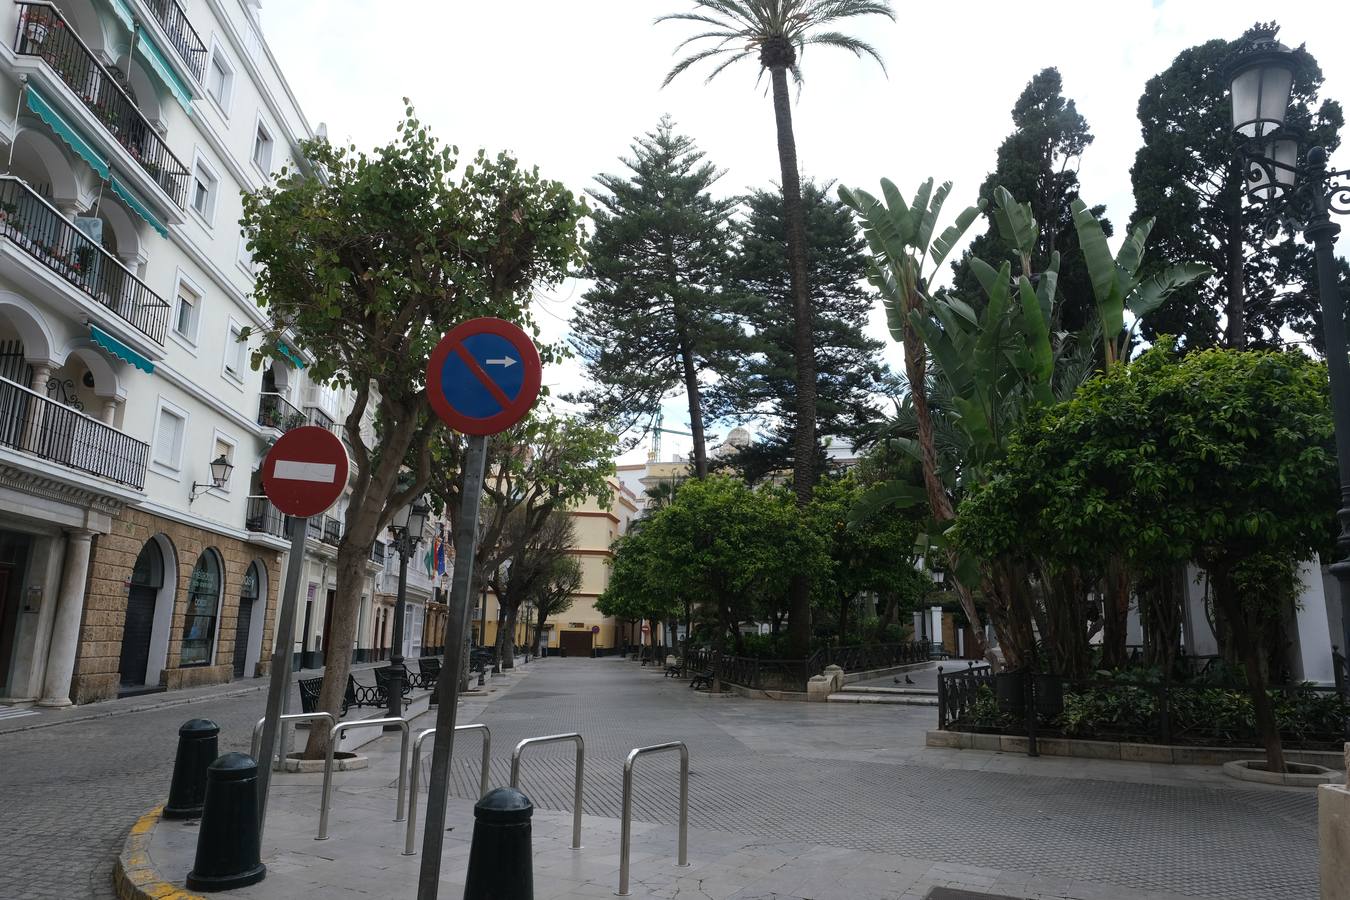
181	34
34	424
45	34
275	411
261	517
34	225
332	530
315	415
378	553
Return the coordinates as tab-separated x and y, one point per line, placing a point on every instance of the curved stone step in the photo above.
894	699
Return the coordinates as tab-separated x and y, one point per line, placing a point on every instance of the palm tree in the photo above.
779	31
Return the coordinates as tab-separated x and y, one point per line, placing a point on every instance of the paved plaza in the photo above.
788	800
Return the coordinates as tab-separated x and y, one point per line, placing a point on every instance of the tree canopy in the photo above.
657	315
849	371
1187	177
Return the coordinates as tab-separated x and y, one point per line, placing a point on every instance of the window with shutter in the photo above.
169	439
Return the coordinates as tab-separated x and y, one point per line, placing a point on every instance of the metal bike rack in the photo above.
333	737
576	785
626	836
410	843
289	717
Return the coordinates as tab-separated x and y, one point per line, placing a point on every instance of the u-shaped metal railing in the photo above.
577	784
333	737
410	842
626	832
288	717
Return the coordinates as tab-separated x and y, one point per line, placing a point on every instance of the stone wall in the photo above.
105	603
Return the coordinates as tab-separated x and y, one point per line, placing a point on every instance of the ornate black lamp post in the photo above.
1301	196
407	527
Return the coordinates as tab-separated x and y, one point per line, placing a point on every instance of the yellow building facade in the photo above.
581	628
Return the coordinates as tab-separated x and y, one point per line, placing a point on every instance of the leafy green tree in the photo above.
1038	163
848	366
730	549
369	259
1187	177
775	33
537	550
1218	457
543	465
656	316
555	594
870	555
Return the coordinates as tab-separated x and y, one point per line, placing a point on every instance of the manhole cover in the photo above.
942	893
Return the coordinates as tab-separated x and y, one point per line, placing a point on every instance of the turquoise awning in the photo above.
291	355
129	197
120	350
65	131
151	53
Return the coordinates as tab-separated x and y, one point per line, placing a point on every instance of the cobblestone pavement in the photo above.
834	774
69	793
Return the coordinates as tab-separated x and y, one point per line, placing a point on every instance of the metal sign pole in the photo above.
466	535
280	684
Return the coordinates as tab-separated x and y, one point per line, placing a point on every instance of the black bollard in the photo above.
501	865
196	751
228	852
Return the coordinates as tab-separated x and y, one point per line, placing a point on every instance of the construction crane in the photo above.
658	430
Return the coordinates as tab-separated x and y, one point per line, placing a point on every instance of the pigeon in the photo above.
908	680
896	679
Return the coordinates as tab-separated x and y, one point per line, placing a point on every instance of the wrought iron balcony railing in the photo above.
332	530
181	34
45	33
264	518
275	411
49	430
32	223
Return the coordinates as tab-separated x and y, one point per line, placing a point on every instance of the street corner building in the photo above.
136	549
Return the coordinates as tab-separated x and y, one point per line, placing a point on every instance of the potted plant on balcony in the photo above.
39	23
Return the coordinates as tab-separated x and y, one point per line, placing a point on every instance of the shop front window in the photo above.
203	607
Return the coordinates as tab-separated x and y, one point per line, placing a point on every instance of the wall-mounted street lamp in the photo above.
220	476
1300	195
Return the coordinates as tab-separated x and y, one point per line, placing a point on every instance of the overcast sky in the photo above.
566	84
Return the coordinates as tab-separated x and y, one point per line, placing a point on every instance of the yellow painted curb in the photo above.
134	876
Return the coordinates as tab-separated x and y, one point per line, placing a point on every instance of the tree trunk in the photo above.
695	408
1116	613
1248	646
804	356
843	620
1235	305
507	639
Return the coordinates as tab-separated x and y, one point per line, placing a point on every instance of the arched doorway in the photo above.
147	580
203	610
248	625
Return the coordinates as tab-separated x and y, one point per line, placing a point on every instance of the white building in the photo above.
129	129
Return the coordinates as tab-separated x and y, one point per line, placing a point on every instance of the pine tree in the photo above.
657	316
849	371
1188	177
1038	164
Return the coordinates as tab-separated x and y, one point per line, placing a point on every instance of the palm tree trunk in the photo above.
804	431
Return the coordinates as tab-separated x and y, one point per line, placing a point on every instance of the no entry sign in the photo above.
483	376
304	472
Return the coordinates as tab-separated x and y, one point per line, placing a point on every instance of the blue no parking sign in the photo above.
483	376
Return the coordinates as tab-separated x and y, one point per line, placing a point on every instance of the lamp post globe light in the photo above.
1303	196
407	527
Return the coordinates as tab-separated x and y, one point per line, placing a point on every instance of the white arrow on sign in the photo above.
505	362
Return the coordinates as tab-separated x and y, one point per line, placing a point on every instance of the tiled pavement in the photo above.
817	801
